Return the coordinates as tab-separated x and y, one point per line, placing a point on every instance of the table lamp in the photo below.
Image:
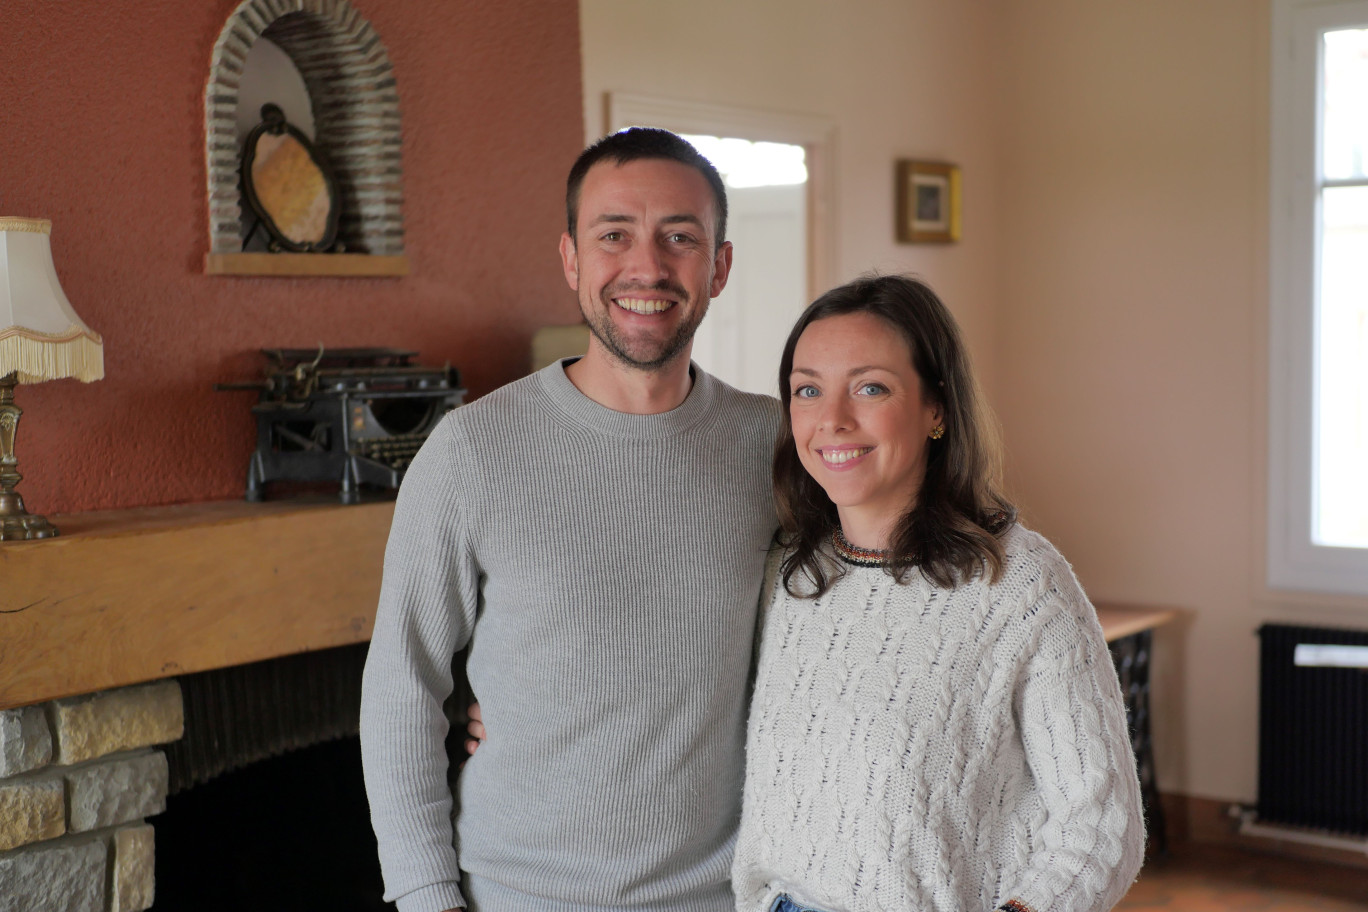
41	338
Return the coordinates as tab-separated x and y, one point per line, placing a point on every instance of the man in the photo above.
595	534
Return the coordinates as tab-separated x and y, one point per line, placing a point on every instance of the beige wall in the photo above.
1112	279
899	79
1133	326
1135	162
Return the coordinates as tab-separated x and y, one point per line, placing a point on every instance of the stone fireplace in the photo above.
207	633
77	778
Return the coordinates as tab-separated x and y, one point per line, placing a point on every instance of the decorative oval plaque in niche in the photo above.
288	186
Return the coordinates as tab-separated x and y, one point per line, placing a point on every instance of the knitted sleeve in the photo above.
1086	841
428	599
746	874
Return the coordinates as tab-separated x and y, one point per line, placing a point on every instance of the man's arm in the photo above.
426	613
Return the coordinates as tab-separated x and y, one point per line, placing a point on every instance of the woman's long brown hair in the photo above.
951	532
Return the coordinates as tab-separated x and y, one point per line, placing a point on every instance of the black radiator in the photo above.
1313	728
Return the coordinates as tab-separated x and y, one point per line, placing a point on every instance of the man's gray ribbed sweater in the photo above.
604	570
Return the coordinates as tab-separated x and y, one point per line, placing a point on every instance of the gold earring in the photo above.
938	432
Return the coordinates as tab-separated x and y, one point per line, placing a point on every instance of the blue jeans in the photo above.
784	903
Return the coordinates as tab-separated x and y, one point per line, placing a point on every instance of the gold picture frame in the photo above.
928	202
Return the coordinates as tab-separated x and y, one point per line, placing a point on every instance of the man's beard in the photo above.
642	355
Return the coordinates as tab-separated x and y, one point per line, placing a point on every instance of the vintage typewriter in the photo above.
356	416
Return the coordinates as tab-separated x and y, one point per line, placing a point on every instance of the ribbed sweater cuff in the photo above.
436	898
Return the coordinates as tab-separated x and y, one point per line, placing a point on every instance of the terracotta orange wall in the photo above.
102	131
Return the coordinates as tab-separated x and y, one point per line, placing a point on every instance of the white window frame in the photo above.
1294	560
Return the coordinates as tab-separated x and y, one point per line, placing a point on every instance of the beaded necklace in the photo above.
860	557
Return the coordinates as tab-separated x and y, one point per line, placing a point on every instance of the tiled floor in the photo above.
1210	879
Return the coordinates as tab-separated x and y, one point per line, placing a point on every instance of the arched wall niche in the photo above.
356	120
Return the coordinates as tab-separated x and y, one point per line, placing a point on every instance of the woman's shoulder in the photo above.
1027	549
1036	573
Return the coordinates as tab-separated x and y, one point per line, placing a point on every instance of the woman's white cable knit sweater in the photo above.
923	749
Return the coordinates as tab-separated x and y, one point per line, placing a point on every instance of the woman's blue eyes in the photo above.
864	389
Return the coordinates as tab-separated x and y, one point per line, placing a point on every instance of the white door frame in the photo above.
816	134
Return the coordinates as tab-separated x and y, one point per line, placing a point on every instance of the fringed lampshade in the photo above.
41	338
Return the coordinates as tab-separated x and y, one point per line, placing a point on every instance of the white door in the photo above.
743	335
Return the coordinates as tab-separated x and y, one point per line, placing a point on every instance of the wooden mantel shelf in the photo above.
305	264
124	596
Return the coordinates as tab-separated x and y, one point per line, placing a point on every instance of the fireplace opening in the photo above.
288	832
267	807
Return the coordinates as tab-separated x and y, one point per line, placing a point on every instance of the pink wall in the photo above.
102	131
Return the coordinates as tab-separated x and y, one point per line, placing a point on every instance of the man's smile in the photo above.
643	305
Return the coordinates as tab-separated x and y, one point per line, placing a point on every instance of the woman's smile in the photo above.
841	458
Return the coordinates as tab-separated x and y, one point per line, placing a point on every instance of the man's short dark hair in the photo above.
643	143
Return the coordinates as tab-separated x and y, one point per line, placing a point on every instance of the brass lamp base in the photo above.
16	523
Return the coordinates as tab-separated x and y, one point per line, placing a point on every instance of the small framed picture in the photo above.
928	202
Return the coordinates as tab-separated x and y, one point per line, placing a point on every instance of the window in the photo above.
1318	455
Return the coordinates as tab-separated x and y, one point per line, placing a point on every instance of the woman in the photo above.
936	722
